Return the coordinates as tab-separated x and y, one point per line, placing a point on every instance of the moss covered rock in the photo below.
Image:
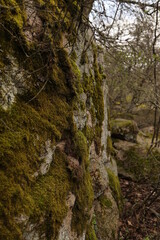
52	115
124	129
106	217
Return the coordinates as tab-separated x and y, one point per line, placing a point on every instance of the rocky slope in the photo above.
58	179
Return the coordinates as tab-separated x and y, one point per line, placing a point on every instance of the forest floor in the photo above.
139	220
139	176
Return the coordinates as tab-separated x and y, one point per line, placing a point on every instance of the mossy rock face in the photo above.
116	189
32	202
124	129
110	149
41	113
106	217
105	201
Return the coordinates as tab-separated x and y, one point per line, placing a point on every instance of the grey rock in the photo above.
65	232
47	157
11	82
34	24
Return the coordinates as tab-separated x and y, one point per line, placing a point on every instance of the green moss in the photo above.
83	204
24	130
50	193
122	123
13	14
81	147
77	76
105	201
115	187
110	149
83	190
41	2
74	55
98	101
93	114
88	84
109	119
140	165
89	134
137	164
72	71
92	85
91	235
124	129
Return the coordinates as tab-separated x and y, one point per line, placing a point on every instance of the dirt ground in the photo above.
140	219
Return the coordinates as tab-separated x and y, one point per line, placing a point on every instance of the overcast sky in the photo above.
119	17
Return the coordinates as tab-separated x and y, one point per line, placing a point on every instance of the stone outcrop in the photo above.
58	179
124	129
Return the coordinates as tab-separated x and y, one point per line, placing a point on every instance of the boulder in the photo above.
124	129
